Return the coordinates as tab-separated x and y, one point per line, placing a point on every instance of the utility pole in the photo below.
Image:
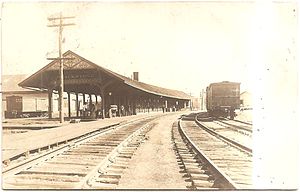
60	26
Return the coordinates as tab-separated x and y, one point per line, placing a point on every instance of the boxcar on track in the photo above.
223	98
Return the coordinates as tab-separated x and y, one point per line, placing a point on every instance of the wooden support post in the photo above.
166	105
83	96
102	94
83	104
50	103
127	106
69	104
133	105
119	106
97	107
148	105
77	105
90	99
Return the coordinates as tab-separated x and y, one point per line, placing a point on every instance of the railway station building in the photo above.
92	90
246	99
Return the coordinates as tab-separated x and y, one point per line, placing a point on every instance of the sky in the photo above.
183	46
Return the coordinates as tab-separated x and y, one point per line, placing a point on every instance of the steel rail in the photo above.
14	170
21	165
48	146
65	145
224	180
242	122
86	181
229	141
235	126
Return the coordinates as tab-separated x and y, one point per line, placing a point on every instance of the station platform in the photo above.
18	143
32	123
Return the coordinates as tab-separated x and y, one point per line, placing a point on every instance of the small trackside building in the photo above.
20	102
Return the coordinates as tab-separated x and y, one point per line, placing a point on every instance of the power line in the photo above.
60	26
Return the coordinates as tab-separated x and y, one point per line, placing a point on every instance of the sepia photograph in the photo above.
150	95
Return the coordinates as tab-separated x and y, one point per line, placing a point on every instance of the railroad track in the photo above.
94	161
233	134
242	122
109	173
197	168
237	124
226	163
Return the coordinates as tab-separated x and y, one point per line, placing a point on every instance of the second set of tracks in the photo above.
210	159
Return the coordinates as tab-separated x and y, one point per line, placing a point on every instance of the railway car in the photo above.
222	99
14	106
25	106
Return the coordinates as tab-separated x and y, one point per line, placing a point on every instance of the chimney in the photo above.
136	76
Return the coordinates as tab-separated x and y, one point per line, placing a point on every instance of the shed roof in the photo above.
10	83
82	63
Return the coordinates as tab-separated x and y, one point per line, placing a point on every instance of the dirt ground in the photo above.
245	116
154	165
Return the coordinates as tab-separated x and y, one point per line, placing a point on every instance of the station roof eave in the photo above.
40	79
158	90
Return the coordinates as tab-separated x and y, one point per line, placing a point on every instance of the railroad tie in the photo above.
202	183
110	179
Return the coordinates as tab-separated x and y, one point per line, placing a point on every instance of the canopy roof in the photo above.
82	75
